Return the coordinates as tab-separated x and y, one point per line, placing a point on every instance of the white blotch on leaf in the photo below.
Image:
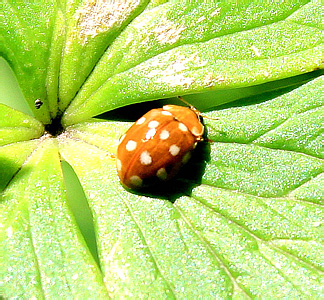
95	17
256	51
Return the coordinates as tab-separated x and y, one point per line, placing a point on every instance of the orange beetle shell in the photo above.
157	145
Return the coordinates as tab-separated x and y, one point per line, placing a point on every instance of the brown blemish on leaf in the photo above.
210	80
177	80
168	32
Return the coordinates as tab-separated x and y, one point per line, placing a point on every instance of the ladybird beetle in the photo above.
157	145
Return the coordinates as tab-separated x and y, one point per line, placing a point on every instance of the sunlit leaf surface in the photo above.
244	217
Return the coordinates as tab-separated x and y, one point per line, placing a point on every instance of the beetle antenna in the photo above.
190	106
184	101
199	113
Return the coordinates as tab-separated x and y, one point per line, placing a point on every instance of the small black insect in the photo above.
38	103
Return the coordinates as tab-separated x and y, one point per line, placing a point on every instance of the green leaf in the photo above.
16	126
90	29
251	141
190	52
139	239
242	228
25	39
242	220
11	95
12	157
44	254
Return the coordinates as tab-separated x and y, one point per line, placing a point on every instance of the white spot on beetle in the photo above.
150	133
166	113
186	158
162	174
122	138
183	127
164	134
136	181
145	158
174	150
167	107
153	124
131	145
196	132
118	164
140	121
